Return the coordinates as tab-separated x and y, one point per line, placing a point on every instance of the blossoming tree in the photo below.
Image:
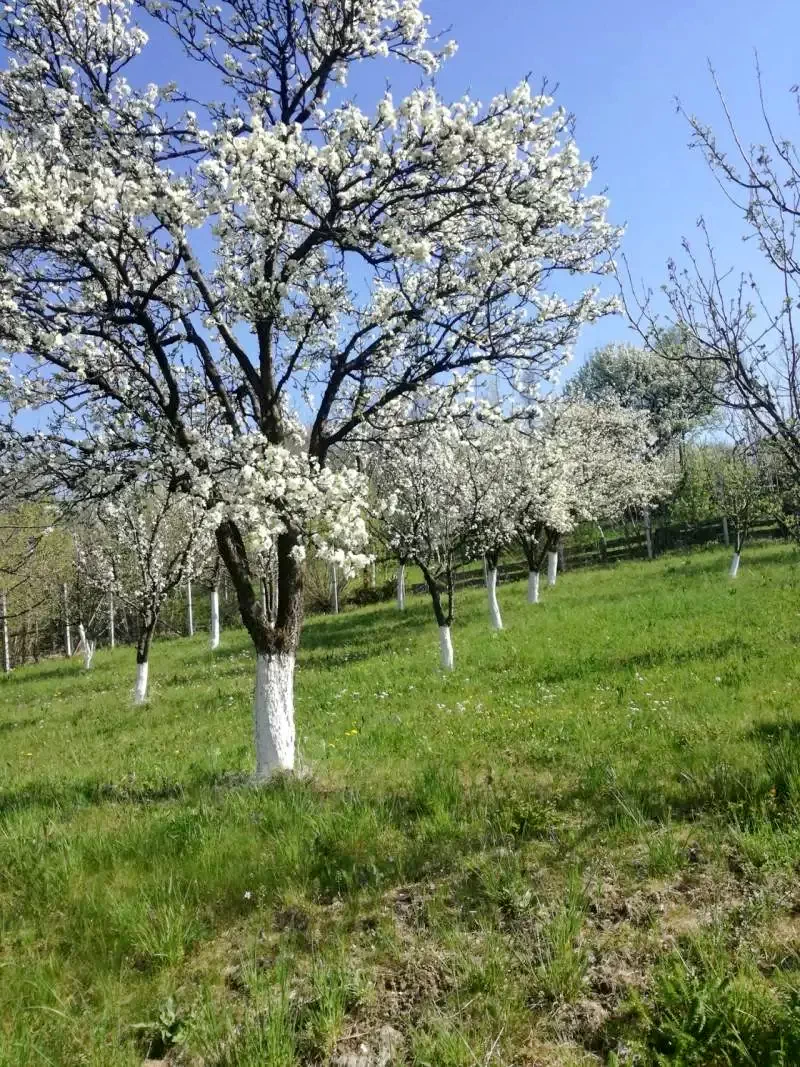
139	546
273	254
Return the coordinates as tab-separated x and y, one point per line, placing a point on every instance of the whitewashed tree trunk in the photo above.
648	532
215	618
334	590
552	568
67	632
111	633
189	609
726	536
446	648
495	618
734	569
140	689
6	645
87	647
533	587
273	714
401	587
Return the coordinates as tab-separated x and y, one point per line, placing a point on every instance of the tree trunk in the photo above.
561	559
111	631
533	587
87	647
334	589
648	532
372	580
446	648
726	536
189	609
734	568
552	568
214	618
6	647
401	587
143	660
495	618
273	714
67	633
275	645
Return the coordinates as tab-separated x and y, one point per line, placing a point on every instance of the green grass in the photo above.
580	848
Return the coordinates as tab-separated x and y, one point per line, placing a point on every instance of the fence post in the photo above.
6	648
67	633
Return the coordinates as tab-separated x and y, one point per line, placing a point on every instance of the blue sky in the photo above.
619	65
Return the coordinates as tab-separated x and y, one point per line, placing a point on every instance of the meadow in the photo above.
580	848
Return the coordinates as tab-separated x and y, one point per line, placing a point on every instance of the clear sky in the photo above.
619	64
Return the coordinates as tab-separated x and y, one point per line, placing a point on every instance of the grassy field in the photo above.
580	848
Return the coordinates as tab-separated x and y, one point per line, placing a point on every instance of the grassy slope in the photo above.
580	848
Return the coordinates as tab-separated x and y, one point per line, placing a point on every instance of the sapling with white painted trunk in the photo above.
139	545
212	272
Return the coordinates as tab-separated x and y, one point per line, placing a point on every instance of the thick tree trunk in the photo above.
446	648
533	587
273	714
215	618
87	647
275	645
6	646
495	618
189	609
552	568
67	632
648	532
401	587
111	621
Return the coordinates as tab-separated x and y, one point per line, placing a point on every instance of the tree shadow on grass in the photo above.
763	791
648	658
94	793
19	724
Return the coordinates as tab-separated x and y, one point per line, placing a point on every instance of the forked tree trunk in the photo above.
552	568
215	618
533	587
495	618
275	645
401	587
87	647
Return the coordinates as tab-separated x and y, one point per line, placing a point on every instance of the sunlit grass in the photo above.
578	848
